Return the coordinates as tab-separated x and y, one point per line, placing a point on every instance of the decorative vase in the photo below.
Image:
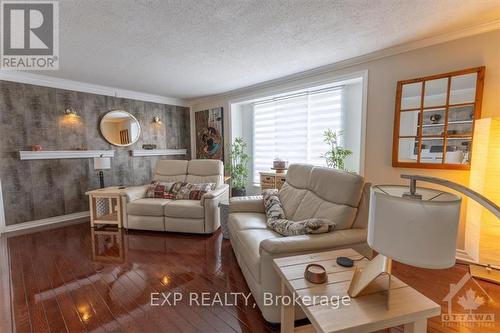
36	147
238	192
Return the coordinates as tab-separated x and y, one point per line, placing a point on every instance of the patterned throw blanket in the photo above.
277	221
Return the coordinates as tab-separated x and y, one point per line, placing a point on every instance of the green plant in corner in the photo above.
336	155
237	167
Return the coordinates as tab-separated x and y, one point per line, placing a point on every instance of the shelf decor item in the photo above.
279	165
36	147
435	118
148	146
437	111
315	273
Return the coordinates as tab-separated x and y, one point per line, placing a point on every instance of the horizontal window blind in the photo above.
292	127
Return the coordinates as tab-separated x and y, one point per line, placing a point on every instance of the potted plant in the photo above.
336	155
237	167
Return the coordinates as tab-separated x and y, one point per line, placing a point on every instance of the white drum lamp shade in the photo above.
417	229
102	163
416	232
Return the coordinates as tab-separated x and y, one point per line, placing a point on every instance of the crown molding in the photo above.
58	83
376	55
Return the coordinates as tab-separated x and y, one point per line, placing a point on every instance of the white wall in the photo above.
354	125
478	50
242	126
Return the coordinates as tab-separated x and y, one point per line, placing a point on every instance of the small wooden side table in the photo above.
382	305
106	206
272	180
108	244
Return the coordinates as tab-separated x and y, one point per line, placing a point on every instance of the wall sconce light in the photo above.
71	112
156	120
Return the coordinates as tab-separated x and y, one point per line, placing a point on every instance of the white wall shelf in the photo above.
158	152
64	154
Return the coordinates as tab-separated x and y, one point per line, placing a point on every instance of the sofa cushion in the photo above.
298	175
171	170
188	191
277	221
336	186
291	197
247	220
325	193
249	244
184	208
205	171
160	190
313	206
147	207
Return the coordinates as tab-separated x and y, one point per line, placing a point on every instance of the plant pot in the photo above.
238	192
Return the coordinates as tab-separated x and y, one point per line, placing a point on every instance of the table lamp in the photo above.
102	163
418	228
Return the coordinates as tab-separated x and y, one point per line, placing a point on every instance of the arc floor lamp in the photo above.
418	226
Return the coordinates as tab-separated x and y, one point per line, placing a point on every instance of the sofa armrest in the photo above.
316	242
211	201
250	204
219	193
135	192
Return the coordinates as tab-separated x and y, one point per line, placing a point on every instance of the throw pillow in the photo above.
187	191
276	219
160	190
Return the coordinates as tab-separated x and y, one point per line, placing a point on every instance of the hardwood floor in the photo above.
73	279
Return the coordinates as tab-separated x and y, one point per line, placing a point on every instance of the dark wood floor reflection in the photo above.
74	279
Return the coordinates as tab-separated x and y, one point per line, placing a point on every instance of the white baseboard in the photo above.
464	256
44	222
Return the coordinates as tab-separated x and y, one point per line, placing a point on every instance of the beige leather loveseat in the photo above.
308	192
192	216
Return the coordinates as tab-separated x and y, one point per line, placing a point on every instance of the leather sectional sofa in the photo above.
308	192
190	216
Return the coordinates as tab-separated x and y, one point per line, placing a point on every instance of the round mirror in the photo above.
120	128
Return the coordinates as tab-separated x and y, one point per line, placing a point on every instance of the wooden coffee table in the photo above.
382	305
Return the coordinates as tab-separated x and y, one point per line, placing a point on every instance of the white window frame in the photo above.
299	82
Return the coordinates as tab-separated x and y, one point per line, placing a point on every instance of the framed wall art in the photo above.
209	127
434	120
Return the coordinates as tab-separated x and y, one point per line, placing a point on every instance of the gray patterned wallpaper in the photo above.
37	189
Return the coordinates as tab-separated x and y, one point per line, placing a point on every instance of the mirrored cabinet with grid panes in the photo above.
434	119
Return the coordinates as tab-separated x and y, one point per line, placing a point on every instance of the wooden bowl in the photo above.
315	273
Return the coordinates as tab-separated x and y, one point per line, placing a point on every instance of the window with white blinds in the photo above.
292	127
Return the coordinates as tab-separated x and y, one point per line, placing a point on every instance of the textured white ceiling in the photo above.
193	48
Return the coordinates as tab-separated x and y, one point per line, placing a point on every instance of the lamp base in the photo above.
101	179
364	276
485	273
